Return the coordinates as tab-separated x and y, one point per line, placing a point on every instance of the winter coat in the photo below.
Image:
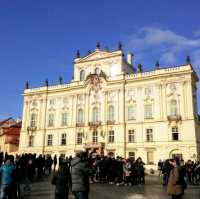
80	175
61	180
7	174
174	186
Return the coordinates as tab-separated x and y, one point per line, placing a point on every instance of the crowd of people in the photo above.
76	174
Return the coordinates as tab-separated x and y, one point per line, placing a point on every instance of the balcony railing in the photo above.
80	124
31	128
174	118
94	145
110	122
96	123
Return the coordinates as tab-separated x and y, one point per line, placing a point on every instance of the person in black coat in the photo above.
61	180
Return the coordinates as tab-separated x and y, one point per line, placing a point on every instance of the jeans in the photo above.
81	195
6	192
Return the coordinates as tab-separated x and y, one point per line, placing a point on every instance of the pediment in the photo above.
97	55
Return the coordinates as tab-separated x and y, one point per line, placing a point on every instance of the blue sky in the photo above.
39	38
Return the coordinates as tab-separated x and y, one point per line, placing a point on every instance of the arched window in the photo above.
95	114
97	71
82	75
173	107
80	118
111	113
33	120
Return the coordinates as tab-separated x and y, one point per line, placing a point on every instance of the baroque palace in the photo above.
110	107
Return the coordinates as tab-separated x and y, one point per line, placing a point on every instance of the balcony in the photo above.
175	118
31	128
94	145
94	124
80	124
110	122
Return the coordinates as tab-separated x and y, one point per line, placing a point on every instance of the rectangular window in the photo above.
49	140
51	120
132	112
175	134
79	138
150	157
30	144
52	102
63	139
149	135
148	111
111	136
131	136
131	155
64	119
95	137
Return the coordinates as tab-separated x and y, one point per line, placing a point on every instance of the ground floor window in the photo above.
111	136
131	155
63	139
95	137
30	143
150	157
79	138
49	140
175	134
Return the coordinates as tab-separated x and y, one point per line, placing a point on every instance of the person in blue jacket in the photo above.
7	178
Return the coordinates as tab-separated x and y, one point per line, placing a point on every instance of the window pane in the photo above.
33	120
49	140
95	137
80	116
149	135
111	137
63	139
111	113
131	136
79	138
148	111
173	107
51	120
64	119
131	112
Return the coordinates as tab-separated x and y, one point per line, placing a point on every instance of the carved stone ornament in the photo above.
148	91
130	95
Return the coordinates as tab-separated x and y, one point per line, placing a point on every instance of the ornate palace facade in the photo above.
108	107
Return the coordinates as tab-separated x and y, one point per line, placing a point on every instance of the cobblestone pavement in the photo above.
152	190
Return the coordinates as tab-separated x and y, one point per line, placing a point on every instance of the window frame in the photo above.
111	136
148	111
63	139
131	133
149	135
49	140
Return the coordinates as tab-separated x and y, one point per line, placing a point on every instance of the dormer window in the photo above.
82	75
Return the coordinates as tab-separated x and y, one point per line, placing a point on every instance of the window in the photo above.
148	111
150	157
79	138
52	102
175	133
131	155
30	143
111	137
111	113
33	120
149	135
80	118
131	136
82	75
131	112
95	137
64	119
95	114
173	107
51	120
63	139
49	140
97	71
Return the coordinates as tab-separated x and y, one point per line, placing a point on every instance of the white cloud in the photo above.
168	44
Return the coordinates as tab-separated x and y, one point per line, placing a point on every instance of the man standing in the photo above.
80	176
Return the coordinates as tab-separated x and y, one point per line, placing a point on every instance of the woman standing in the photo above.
61	180
175	187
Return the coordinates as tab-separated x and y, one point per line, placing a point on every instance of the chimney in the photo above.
130	58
